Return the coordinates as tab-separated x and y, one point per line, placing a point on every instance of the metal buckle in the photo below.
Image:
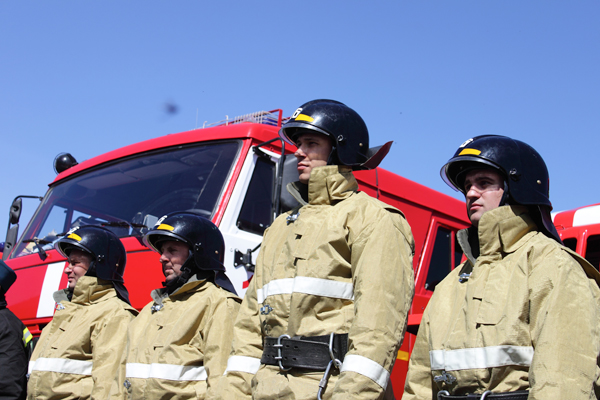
279	356
156	307
292	218
485	394
266	309
442	393
464	277
445	377
334	361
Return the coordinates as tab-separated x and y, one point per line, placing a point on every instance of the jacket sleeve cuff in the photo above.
367	367
249	365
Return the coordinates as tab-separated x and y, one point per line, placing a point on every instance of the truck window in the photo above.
129	195
255	215
442	259
592	252
570	243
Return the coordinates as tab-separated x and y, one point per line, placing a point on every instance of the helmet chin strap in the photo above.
333	157
505	196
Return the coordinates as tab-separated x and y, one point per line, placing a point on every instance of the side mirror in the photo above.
12	231
15	210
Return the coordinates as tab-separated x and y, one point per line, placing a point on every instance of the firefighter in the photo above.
79	351
326	310
179	344
519	319
15	342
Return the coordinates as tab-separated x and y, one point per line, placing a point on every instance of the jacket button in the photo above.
127	384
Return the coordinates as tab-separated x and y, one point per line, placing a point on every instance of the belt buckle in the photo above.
279	356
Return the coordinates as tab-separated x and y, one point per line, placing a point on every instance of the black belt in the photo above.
303	352
518	395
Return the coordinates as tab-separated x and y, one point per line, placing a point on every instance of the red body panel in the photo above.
580	230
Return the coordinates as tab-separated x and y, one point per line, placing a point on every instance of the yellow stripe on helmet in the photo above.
469	152
74	237
165	227
304	117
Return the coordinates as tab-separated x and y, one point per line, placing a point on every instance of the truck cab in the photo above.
233	173
579	230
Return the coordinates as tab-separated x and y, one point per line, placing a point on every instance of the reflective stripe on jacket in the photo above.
343	266
528	317
179	344
80	350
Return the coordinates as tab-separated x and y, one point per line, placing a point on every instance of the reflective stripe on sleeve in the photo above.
61	365
367	367
27	336
306	285
249	365
168	372
480	357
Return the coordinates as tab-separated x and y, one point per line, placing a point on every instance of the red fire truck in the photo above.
234	173
579	230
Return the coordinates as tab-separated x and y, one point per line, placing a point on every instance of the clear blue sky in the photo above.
87	77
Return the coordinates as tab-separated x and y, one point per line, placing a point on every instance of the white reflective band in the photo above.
169	372
303	284
61	365
243	364
480	357
367	367
587	216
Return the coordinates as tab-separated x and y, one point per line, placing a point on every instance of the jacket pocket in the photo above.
493	295
306	235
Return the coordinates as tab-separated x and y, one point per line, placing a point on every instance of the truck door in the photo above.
248	215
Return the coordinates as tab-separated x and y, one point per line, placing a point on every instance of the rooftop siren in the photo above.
63	162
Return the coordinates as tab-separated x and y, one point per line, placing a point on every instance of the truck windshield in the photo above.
128	196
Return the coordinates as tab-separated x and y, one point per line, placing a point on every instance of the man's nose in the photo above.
472	192
299	153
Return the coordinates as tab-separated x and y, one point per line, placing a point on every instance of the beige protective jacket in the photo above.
179	344
344	265
528	317
79	351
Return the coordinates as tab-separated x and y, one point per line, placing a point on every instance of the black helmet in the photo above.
522	167
107	251
345	128
7	277
203	239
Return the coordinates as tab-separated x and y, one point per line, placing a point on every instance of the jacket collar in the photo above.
158	295
88	290
326	186
500	230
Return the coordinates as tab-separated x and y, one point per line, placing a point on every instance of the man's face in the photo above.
313	151
484	189
79	262
173	256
